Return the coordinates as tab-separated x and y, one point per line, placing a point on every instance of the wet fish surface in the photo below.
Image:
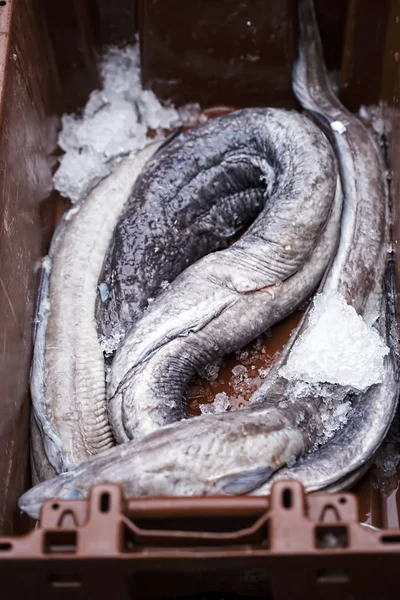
202	188
67	374
229	297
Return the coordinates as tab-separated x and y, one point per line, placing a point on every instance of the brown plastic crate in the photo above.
292	546
164	548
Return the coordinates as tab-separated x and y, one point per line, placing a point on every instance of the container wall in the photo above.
229	52
30	95
48	66
74	38
225	52
116	22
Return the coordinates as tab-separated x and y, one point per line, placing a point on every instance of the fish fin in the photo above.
245	481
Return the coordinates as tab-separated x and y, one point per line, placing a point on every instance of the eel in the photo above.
206	185
188	457
67	374
229	297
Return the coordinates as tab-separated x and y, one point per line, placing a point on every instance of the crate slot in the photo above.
65	580
209	524
390	539
105	502
134	536
60	542
287	498
331	536
332	576
5	546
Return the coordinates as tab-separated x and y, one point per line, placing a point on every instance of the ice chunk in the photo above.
191	114
104	292
111	131
211	370
240	371
221	404
337	347
338	126
153	113
109	344
334	419
78	173
263	372
114	123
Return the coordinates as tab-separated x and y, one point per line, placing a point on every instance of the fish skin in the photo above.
67	373
190	323
193	198
194	456
41	469
354	273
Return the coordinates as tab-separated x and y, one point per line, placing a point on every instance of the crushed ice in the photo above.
240	371
338	126
221	404
338	347
109	344
114	122
211	370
